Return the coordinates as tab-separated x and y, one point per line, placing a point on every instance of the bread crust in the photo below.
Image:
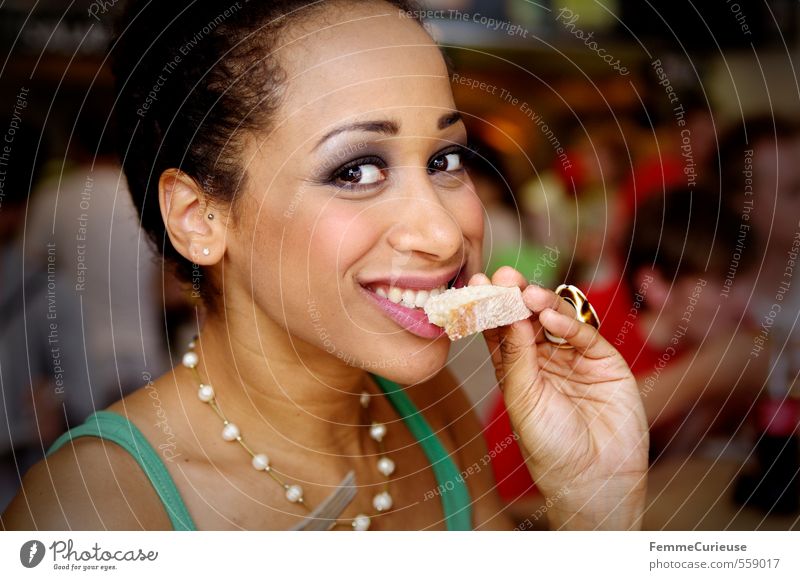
465	311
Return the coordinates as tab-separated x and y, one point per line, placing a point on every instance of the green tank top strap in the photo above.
118	429
456	500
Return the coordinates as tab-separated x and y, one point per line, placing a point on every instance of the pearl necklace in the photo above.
382	501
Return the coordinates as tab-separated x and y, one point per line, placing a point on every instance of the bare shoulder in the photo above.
90	484
448	404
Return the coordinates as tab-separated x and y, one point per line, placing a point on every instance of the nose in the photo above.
423	223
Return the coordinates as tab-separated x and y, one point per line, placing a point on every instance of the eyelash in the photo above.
465	153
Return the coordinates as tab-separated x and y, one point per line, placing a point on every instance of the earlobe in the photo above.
193	233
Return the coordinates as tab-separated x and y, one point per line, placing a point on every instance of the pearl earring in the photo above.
206	251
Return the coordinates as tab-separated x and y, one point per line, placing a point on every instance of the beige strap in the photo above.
326	514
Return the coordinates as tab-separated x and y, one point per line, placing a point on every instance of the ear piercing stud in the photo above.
206	251
211	216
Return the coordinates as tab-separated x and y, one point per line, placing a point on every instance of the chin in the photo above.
424	361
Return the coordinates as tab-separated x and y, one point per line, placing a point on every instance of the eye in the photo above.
449	161
360	173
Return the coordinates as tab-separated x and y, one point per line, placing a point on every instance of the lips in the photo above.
414	281
394	297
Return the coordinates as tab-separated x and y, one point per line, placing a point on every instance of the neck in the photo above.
271	383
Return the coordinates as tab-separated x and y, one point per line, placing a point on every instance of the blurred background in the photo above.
647	152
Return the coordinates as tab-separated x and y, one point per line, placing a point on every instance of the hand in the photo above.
577	412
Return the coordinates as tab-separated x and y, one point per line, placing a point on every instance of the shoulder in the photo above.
89	484
448	405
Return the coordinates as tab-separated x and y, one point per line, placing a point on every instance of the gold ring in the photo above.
584	312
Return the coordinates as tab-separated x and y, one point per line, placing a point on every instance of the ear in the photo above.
185	211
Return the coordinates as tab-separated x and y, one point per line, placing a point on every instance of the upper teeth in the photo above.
408	297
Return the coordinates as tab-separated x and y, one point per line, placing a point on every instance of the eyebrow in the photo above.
386	127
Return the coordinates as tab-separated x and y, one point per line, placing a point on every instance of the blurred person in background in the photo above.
30	414
600	160
105	267
687	343
669	155
760	170
761	173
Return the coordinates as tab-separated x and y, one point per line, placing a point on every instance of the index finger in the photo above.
584	337
509	277
537	299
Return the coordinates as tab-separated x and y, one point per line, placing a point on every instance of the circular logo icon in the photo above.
31	553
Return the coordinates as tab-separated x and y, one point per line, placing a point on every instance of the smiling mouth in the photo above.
412	298
402	299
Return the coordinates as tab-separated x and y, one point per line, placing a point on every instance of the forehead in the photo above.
366	61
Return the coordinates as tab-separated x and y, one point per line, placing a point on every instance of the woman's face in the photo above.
357	197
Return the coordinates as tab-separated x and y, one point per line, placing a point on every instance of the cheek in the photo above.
468	211
339	235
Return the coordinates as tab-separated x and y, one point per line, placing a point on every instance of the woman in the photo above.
304	163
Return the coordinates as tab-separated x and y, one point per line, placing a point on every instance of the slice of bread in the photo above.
465	311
